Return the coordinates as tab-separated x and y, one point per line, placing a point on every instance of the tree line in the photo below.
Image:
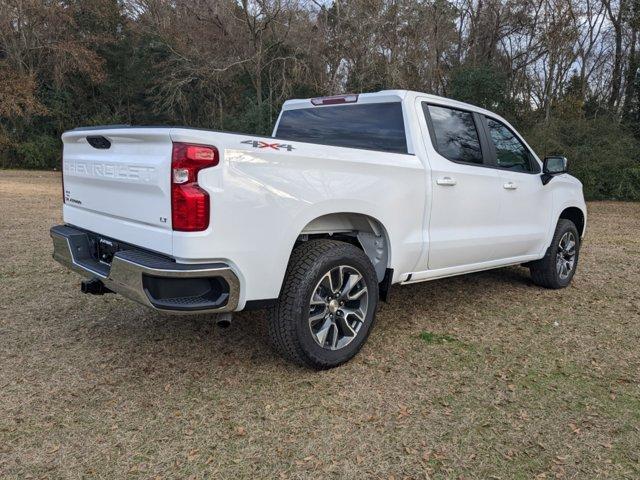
563	71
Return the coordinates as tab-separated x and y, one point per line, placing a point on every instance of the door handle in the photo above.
510	186
446	181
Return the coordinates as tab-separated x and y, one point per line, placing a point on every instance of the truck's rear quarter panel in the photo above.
262	199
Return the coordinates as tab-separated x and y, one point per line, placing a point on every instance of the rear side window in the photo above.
373	126
510	152
455	135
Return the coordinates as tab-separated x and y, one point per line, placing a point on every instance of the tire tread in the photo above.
543	271
282	316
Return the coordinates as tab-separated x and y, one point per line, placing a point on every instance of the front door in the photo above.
525	203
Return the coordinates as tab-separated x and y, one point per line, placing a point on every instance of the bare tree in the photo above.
616	12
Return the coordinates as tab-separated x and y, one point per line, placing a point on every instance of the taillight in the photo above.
189	202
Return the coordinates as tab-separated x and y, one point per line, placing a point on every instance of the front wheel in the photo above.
559	265
327	304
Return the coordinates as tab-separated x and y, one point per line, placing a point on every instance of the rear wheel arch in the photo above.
361	230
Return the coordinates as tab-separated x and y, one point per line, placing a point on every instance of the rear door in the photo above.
464	210
525	203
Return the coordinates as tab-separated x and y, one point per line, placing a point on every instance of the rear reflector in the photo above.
190	203
335	100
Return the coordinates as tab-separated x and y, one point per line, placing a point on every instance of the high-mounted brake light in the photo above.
189	202
335	100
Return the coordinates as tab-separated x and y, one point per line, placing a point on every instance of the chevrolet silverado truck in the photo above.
350	195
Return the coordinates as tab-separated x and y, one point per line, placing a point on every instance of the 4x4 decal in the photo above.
263	144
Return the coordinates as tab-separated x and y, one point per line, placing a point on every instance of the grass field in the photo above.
481	376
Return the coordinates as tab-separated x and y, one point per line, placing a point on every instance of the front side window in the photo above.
455	134
510	152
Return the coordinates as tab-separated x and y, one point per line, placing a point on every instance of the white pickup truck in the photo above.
350	195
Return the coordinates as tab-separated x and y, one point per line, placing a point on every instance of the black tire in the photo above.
290	329
546	272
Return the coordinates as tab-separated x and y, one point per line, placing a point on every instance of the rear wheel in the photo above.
559	265
327	305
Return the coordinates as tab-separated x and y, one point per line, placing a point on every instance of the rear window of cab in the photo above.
371	126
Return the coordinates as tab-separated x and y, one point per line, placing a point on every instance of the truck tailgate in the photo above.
117	182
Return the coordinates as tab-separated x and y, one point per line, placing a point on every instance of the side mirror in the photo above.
553	165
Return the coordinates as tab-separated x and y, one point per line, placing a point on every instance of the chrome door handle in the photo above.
510	186
446	181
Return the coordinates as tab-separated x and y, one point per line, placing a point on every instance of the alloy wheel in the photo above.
338	307
566	256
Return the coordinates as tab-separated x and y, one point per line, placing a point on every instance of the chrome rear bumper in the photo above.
148	278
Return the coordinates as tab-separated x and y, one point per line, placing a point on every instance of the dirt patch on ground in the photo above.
481	376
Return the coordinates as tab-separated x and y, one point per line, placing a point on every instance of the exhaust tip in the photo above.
224	320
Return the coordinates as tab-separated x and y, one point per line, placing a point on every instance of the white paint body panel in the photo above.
262	199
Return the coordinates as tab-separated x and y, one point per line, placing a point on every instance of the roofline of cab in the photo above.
392	96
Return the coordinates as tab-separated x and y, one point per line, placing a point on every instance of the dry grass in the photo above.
483	376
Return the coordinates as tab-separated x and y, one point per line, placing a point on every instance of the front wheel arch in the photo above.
575	215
